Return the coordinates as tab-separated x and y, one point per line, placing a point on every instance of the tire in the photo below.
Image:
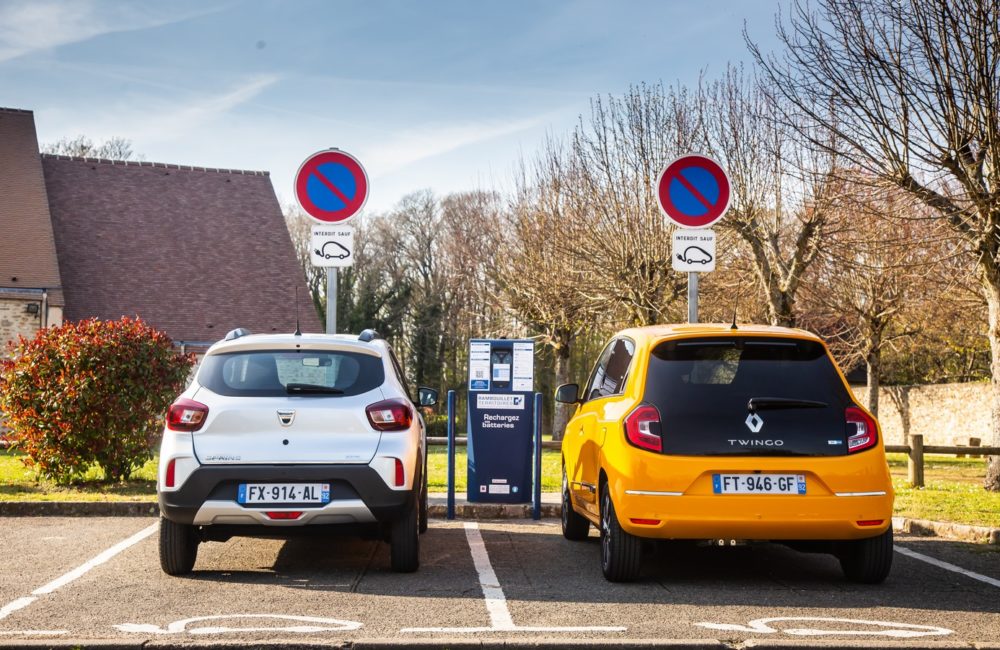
178	547
403	541
575	526
423	502
867	561
621	553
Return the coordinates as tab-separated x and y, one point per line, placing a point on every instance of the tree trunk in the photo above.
561	412
989	275
874	366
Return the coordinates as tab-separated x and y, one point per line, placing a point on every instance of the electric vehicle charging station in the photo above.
503	417
501	420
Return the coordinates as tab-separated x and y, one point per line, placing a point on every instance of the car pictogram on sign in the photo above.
695	255
333	250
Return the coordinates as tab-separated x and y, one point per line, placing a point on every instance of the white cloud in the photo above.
169	122
155	120
412	146
28	26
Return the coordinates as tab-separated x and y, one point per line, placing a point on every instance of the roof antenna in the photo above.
736	304
298	329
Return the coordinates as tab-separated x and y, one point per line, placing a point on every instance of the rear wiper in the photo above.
312	388
760	403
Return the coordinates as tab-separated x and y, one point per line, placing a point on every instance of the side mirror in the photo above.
427	396
568	394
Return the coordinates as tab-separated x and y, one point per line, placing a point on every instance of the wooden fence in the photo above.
915	455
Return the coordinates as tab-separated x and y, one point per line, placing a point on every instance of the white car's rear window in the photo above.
291	372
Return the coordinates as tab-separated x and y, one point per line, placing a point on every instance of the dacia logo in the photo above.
286	417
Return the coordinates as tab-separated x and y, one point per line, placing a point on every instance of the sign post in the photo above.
693	192
331	186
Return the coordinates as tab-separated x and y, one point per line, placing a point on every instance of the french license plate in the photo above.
759	483
283	493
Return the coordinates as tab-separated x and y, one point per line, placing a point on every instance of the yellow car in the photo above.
709	432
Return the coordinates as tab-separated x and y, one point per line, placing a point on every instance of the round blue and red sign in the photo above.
331	186
693	191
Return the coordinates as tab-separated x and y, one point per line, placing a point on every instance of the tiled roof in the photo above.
193	251
27	249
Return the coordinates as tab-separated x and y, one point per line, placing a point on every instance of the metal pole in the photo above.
451	454
692	297
331	300
536	498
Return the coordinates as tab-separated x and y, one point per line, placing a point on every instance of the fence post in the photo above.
451	455
915	462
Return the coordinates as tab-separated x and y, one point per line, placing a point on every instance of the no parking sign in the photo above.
331	186
693	191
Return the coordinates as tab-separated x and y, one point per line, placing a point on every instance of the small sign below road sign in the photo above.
693	250
693	191
331	186
332	246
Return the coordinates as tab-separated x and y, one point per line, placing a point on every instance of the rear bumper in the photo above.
750	517
358	495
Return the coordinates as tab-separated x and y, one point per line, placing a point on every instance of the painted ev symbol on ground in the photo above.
876	628
180	627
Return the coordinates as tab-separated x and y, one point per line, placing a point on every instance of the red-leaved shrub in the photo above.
90	392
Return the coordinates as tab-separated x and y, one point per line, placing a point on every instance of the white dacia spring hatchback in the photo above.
287	434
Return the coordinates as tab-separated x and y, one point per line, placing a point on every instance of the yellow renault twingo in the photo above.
712	432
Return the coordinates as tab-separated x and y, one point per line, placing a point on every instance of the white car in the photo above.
285	434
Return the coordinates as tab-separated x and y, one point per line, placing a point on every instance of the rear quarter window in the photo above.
267	373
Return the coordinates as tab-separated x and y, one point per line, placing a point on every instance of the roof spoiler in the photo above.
236	333
369	335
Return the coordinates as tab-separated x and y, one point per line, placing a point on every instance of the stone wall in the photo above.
945	414
15	321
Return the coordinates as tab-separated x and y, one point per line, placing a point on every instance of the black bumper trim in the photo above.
219	482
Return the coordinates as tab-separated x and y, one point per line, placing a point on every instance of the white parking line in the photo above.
947	566
69	577
496	601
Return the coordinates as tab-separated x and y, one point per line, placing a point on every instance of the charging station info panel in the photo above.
501	420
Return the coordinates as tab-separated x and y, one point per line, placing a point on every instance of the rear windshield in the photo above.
703	389
272	373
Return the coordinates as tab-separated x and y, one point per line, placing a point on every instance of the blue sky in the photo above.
445	95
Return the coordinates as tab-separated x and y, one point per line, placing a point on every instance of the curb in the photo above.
948	530
463	509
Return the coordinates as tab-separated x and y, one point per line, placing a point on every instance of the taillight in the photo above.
642	428
400	475
861	430
186	415
390	415
171	475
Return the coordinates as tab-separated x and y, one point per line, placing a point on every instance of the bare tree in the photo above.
540	275
114	148
883	260
610	184
910	91
781	192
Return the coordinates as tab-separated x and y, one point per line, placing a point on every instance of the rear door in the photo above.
748	396
288	407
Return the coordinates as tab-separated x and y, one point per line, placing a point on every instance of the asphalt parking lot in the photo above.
86	580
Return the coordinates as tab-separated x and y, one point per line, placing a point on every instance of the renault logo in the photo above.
754	422
286	417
